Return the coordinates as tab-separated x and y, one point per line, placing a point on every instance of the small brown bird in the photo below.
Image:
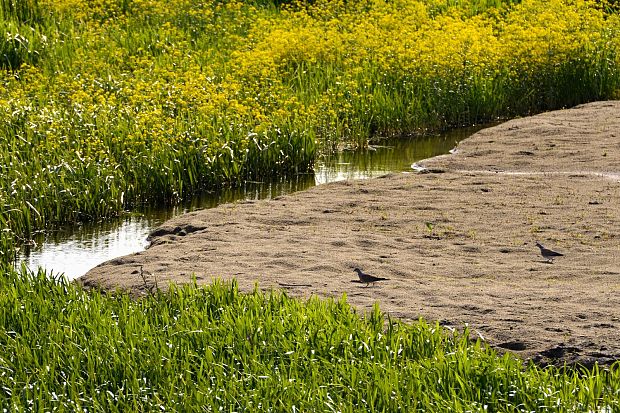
367	278
548	254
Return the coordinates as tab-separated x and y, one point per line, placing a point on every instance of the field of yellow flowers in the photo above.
107	105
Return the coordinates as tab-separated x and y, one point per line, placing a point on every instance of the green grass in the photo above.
110	105
216	349
107	105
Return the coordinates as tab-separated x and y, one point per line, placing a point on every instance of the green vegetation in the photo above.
216	349
109	104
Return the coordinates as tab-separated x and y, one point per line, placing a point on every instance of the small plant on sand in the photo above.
430	227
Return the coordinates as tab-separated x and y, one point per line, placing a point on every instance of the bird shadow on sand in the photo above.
362	282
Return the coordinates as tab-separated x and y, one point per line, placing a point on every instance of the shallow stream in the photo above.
76	249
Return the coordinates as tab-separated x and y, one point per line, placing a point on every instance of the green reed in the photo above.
108	105
214	348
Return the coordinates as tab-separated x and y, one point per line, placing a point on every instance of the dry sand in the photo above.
553	177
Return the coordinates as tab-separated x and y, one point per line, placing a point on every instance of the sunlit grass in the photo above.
107	105
213	348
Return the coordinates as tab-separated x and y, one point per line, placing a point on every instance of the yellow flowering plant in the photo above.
106	105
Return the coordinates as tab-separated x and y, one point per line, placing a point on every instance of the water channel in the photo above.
76	249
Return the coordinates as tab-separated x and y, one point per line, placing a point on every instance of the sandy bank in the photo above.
553	177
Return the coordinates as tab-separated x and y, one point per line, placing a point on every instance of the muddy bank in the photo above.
456	239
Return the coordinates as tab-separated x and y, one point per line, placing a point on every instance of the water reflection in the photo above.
389	155
76	249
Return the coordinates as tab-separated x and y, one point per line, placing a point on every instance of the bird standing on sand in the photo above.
548	254
367	278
